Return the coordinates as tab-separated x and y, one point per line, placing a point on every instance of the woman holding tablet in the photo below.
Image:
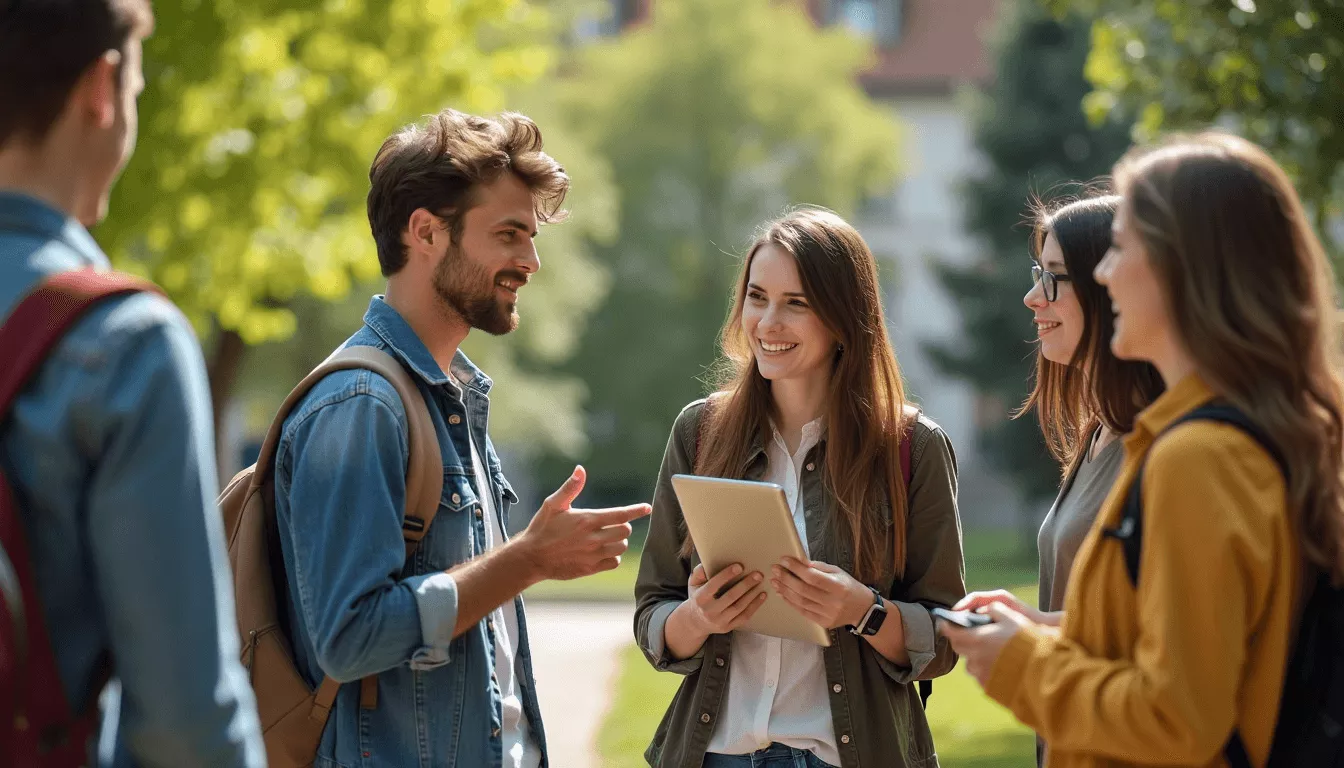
1180	613
812	401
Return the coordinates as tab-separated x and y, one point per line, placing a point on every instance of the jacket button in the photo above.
454	419
494	733
704	718
456	498
478	513
837	688
844	739
811	466
719	661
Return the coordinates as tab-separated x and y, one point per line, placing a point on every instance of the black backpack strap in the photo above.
925	691
1130	530
1235	752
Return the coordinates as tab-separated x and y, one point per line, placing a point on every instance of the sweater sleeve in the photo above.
1213	538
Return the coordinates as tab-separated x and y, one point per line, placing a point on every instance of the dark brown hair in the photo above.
1095	387
865	411
1252	300
437	166
46	46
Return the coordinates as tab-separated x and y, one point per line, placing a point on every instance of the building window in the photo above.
610	19
877	20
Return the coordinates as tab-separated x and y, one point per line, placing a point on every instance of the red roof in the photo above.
942	43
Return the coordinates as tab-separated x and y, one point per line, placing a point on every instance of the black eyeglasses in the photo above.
1049	281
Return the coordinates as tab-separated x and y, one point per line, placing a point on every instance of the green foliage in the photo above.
1269	69
257	128
245	199
713	117
1036	139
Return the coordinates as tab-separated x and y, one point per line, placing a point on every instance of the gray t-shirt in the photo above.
1070	518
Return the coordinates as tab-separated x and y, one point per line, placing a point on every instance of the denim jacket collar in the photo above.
22	213
393	329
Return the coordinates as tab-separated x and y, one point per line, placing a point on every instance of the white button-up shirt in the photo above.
777	687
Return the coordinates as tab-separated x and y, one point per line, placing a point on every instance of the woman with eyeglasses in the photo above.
1229	506
1084	396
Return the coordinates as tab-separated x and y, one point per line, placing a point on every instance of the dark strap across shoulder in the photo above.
1129	532
42	318
59	729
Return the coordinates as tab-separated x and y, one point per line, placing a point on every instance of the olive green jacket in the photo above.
875	707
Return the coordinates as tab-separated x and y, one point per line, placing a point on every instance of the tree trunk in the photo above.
225	363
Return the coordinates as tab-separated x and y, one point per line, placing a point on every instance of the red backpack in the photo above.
38	727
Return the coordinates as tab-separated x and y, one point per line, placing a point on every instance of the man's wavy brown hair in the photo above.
1252	297
438	166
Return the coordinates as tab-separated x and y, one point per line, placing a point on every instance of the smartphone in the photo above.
965	619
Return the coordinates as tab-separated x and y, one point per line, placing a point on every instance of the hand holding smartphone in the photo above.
966	619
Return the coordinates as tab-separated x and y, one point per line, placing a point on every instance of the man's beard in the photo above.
469	290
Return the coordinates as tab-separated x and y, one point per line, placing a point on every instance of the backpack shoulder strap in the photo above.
1130	529
42	318
701	427
906	447
33	328
424	473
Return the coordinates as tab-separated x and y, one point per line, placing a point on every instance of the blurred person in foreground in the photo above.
109	449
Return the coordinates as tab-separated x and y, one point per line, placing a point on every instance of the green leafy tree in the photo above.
713	117
1032	132
246	197
1268	69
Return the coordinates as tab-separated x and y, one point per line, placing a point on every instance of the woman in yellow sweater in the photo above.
1218	281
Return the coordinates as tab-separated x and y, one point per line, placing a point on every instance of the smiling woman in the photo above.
812	401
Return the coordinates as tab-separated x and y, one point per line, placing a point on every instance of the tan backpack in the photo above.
292	714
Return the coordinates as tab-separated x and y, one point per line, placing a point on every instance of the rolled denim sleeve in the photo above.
157	548
340	491
935	571
436	597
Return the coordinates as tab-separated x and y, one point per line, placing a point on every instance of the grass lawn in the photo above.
970	730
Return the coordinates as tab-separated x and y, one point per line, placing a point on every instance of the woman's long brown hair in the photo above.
1095	388
865	412
1252	297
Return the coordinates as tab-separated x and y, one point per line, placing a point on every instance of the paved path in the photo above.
576	649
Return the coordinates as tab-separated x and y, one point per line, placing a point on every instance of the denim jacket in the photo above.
356	606
110	451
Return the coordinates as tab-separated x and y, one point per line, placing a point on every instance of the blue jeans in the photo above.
774	756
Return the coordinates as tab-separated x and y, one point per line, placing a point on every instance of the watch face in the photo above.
875	620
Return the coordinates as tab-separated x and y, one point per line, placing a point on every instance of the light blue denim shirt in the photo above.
111	452
357	607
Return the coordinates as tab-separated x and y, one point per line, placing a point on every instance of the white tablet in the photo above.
740	521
